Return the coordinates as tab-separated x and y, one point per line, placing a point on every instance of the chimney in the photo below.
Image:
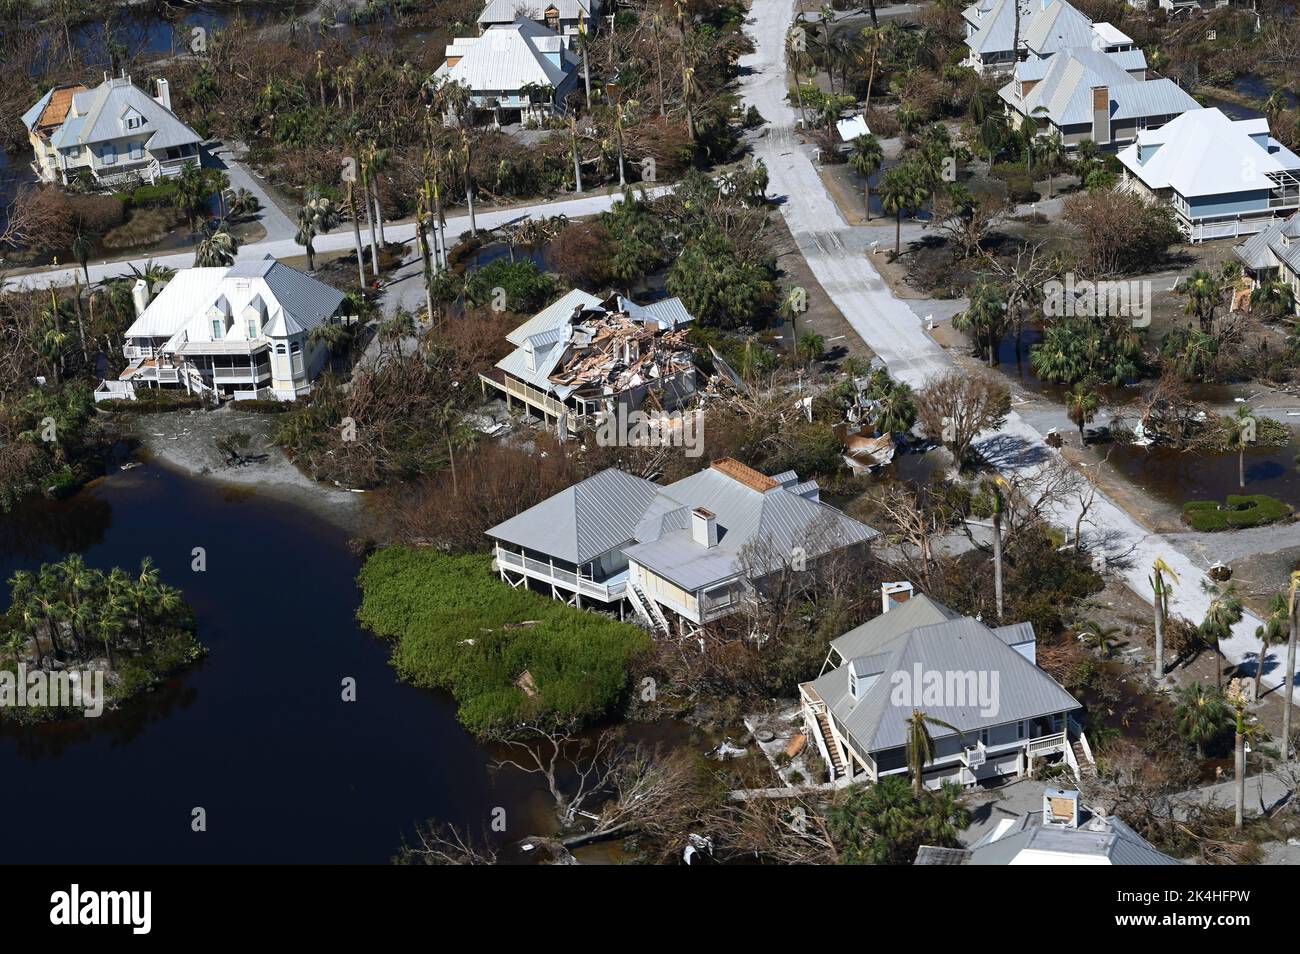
164	97
1101	115
704	527
140	295
1061	807
894	594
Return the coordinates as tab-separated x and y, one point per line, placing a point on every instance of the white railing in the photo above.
1046	743
550	573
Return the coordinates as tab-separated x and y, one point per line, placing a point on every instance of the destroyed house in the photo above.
582	357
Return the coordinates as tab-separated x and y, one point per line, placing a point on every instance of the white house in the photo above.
242	331
1223	177
115	133
520	71
582	356
1046	27
681	556
920	655
560	16
1065	832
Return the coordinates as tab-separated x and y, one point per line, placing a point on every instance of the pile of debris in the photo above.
611	353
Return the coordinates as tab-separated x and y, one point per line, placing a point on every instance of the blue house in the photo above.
1223	178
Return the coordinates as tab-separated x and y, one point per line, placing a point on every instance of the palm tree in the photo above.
920	744
1239	432
193	190
1104	639
690	92
1081	404
1052	153
865	158
1293	611
1273	632
216	249
999	504
1203	292
1273	297
1245	728
811	347
1200	715
317	216
985	318
356	234
898	192
1159	570
1224	612
466	163
895	410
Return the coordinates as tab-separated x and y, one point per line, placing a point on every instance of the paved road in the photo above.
834	253
338	240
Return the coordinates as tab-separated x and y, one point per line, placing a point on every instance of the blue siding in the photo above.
1228	203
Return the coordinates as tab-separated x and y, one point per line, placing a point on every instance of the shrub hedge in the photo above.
458	628
1238	511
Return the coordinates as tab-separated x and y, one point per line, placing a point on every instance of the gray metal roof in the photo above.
582	522
651	524
1058	27
961	645
100	111
919	610
1111	838
929	855
1270	248
757	530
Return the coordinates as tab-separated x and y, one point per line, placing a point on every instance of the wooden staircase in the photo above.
832	747
1086	768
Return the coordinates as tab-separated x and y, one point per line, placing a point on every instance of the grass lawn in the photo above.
457	627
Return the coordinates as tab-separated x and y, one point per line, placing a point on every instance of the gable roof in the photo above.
918	610
1203	152
955	645
584	521
508	57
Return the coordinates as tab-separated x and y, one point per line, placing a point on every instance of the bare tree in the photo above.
956	408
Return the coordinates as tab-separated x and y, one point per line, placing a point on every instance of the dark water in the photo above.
1178	477
256	734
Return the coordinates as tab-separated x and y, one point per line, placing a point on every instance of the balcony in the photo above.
607	591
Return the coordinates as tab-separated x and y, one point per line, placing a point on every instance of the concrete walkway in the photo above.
887	324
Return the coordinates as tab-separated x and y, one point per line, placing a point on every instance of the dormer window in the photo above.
252	328
853	684
218	329
133	122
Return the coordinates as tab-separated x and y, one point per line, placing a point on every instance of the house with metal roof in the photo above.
561	16
1223	177
1084	93
1274	255
519	71
111	135
243	331
1065	832
679	556
1046	27
921	656
583	357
